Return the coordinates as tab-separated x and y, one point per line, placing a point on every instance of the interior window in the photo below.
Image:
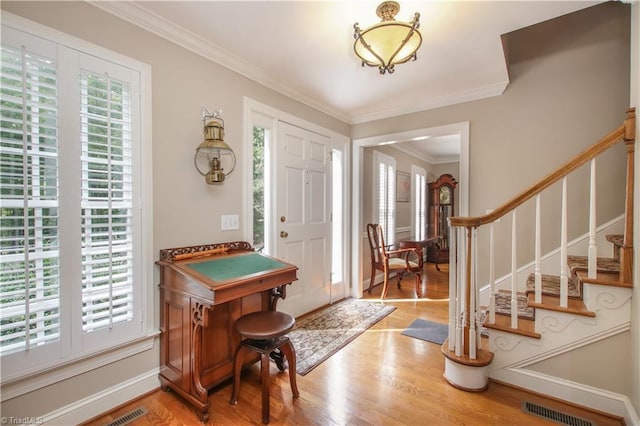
259	236
419	202
385	190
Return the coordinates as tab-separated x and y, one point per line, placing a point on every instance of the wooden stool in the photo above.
264	332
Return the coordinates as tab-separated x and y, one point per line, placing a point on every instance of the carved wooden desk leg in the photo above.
199	320
278	293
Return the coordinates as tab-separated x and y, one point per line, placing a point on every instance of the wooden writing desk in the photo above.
201	297
417	243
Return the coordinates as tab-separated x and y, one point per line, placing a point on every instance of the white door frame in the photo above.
461	129
341	142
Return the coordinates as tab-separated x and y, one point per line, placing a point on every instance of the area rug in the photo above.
323	333
427	330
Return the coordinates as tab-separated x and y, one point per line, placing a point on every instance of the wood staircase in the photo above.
587	301
608	273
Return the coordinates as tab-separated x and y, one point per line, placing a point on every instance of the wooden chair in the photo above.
392	261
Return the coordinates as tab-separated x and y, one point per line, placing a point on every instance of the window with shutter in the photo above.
74	262
385	191
419	200
29	237
107	202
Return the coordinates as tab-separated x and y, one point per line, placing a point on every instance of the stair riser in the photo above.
562	331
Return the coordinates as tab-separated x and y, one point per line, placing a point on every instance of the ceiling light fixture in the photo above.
389	42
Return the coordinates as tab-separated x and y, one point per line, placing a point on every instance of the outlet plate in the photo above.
229	222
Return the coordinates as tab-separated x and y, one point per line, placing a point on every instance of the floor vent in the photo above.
128	418
554	415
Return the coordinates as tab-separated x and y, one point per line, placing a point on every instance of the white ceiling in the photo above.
304	49
435	150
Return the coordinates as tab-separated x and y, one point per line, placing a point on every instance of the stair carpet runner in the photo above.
550	293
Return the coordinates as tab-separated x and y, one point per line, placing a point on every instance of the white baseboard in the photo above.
102	402
576	393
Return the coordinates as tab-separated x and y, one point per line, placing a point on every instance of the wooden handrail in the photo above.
464	290
625	132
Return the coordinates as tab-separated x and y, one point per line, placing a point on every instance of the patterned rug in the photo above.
503	305
551	285
323	333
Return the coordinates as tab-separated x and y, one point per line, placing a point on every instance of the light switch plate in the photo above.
229	222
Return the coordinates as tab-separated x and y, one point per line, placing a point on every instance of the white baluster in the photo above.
538	256
479	316
492	277
460	288
453	283
593	251
514	273
564	277
473	340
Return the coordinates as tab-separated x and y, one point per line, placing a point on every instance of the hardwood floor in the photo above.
381	378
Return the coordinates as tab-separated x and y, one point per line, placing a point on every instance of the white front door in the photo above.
303	216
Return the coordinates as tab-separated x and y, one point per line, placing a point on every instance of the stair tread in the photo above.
552	303
503	305
615	239
603	278
608	273
526	327
551	285
604	264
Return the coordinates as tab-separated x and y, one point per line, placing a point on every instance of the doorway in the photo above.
461	130
296	171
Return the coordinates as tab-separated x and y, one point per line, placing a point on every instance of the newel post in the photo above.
626	254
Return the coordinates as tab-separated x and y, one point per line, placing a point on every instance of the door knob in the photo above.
284	234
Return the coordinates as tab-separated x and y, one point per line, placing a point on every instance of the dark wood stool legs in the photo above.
266	349
264	333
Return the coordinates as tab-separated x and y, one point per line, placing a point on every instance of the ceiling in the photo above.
434	150
304	49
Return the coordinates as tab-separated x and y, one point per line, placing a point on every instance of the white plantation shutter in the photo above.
107	202
419	202
385	202
73	255
29	239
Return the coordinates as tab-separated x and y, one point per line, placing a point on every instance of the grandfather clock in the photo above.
441	207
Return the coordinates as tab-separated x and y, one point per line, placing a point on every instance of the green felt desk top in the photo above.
227	268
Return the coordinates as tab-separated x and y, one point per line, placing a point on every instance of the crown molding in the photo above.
489	91
149	21
425	157
413	152
162	27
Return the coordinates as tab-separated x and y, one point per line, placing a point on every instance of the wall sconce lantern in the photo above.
388	42
214	149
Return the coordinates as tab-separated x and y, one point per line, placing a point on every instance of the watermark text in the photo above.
28	420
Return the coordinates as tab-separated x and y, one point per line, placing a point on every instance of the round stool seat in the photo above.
264	325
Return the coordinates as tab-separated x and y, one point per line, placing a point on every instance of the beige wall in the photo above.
569	86
186	210
584	365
